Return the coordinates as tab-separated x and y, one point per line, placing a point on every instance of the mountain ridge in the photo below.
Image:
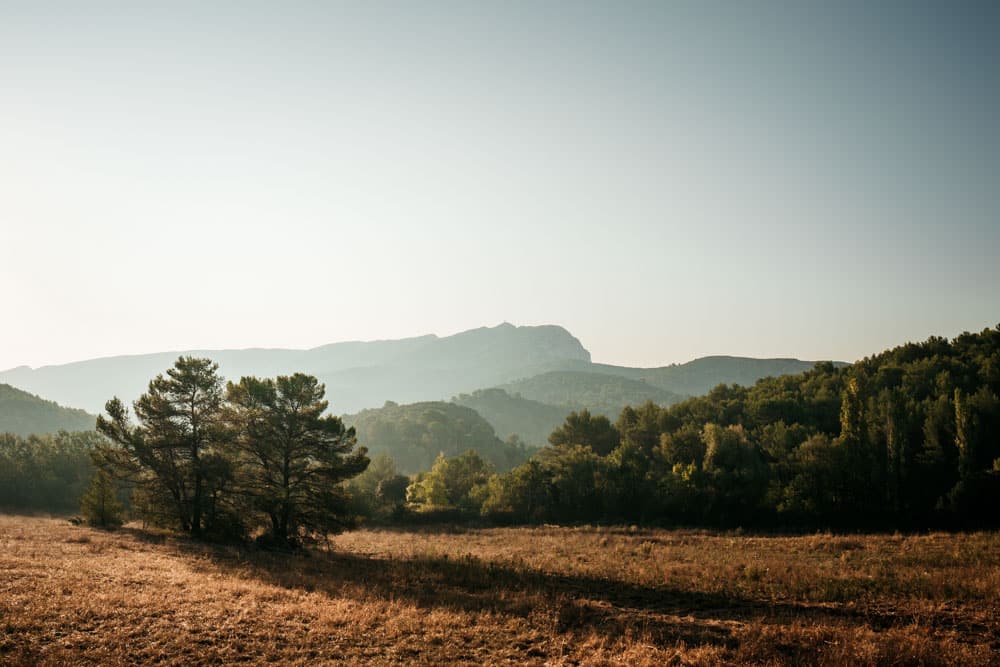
365	374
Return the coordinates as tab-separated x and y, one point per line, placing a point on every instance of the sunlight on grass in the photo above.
544	595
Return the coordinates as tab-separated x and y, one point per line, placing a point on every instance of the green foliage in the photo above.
575	479
291	458
641	426
391	492
175	452
221	465
375	492
45	472
906	438
519	495
818	484
457	482
630	483
414	435
582	428
736	472
99	505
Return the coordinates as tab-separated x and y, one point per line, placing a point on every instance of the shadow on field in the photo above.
553	603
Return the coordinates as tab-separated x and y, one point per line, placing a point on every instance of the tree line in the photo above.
46	472
908	438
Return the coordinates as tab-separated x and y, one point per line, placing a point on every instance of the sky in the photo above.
665	180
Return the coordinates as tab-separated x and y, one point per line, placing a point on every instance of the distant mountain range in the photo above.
357	375
23	413
545	365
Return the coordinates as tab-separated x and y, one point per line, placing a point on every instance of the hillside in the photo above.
600	393
23	413
701	375
531	420
413	435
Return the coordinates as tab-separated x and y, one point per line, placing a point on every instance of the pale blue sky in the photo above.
665	180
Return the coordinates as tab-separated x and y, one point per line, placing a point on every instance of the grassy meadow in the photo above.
546	596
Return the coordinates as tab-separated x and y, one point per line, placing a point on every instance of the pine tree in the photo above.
290	457
172	454
100	504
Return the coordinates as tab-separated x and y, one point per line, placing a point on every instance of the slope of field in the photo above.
74	595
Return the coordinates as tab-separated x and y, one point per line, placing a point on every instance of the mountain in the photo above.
23	413
357	375
544	364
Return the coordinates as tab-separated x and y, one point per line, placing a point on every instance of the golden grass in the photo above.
75	595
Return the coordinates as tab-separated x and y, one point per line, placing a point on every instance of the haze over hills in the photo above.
530	420
23	413
543	363
601	393
415	434
357	375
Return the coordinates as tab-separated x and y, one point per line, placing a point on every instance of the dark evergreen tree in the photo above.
290	457
174	454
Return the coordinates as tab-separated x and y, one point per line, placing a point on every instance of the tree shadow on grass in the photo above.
554	603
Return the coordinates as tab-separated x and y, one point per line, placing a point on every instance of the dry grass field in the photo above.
74	595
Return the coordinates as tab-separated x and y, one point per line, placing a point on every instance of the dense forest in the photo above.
907	438
45	472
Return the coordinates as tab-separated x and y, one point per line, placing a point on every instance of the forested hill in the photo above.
23	413
414	435
601	393
701	375
509	415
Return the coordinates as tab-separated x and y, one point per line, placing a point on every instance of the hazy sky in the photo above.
666	180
